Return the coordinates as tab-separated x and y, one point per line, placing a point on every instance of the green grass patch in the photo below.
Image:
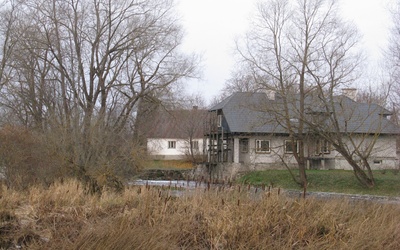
340	181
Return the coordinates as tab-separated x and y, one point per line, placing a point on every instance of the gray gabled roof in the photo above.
176	124
356	117
246	112
243	113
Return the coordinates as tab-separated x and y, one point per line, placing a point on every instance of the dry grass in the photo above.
63	217
170	164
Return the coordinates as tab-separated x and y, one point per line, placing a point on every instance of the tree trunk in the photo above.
366	179
302	170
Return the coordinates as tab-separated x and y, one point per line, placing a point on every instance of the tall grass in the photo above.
63	217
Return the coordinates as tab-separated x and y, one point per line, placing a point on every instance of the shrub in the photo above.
26	158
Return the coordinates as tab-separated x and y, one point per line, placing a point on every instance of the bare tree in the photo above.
8	19
192	101
392	59
304	53
80	69
393	52
242	80
191	123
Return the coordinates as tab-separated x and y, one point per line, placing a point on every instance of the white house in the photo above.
244	134
176	134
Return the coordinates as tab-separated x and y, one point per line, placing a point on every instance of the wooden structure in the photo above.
218	142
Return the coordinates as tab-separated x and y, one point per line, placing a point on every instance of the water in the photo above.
181	184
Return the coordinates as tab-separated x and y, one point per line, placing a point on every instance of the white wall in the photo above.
276	154
383	154
159	148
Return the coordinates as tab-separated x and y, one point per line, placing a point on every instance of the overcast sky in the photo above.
212	25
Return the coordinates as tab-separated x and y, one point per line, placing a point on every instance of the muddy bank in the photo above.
160	174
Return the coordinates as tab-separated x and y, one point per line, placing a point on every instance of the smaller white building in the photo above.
176	134
174	148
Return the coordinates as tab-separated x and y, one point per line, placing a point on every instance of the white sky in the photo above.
212	25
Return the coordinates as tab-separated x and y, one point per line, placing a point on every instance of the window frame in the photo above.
219	121
171	144
194	144
377	162
258	149
244	145
290	144
323	147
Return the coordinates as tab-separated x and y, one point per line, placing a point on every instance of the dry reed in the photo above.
63	217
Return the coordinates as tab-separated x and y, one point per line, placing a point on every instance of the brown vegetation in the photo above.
28	158
170	164
76	91
63	217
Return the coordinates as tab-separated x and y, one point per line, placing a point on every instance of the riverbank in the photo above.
148	217
180	188
328	181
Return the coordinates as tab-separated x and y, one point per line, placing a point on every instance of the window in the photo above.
377	162
262	146
171	144
194	144
289	147
325	147
219	122
322	146
244	145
